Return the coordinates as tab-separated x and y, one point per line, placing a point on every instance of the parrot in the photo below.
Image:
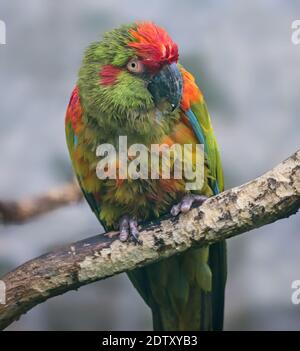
132	84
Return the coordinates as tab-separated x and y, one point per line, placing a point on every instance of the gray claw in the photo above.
175	209
124	228
134	231
186	203
128	227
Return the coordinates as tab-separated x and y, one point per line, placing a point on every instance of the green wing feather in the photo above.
200	111
217	252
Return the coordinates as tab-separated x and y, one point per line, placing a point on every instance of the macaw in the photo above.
131	83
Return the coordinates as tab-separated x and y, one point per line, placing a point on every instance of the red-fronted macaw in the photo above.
131	84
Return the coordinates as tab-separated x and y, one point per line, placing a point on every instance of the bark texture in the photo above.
26	209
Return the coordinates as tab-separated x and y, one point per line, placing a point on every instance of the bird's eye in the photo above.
135	66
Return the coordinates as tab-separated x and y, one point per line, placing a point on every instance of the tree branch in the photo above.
273	196
23	210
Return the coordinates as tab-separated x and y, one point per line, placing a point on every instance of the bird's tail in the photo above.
185	292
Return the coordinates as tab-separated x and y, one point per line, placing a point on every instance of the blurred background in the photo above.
244	61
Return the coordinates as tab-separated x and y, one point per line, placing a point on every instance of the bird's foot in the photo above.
128	228
187	203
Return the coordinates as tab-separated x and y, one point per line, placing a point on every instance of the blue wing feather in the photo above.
201	137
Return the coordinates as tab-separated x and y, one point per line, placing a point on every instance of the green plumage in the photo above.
185	292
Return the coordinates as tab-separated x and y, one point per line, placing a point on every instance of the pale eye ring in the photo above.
135	66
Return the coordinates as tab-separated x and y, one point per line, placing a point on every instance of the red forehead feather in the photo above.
154	45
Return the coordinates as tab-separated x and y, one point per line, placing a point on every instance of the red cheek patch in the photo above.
109	74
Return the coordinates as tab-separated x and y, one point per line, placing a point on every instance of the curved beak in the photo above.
167	85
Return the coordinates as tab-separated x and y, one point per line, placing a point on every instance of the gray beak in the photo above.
167	85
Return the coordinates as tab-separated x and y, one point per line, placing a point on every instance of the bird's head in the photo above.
133	71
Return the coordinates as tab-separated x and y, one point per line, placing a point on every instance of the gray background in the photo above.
248	69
